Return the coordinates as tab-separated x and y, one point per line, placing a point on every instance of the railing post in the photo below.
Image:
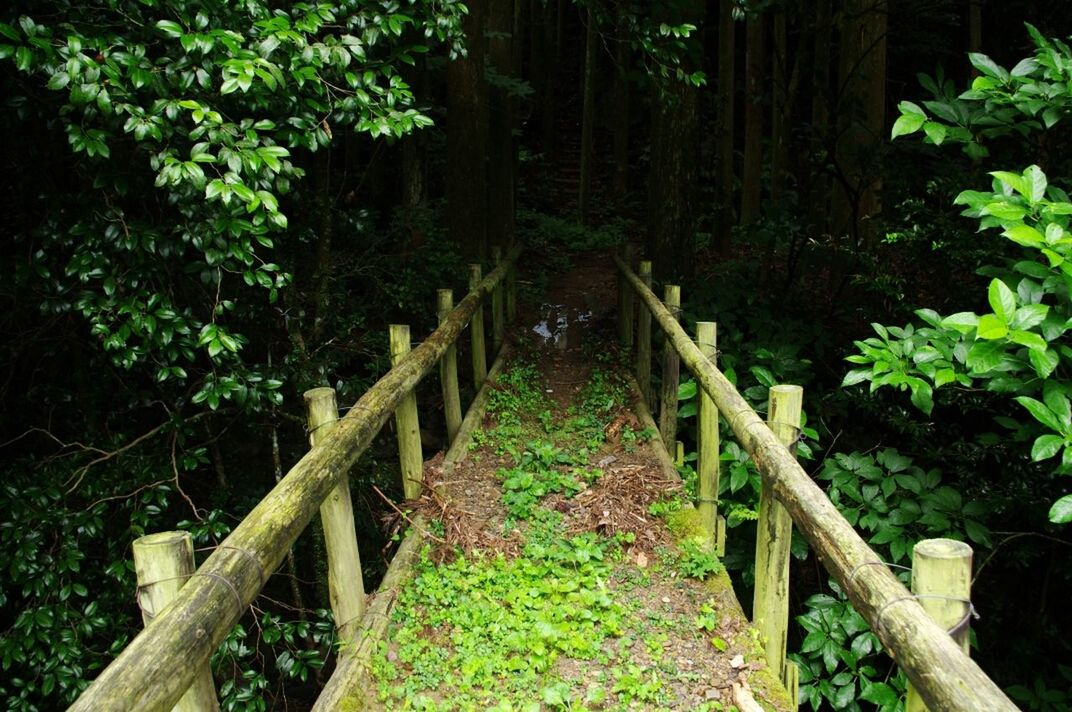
448	371
770	610
625	302
941	578
406	424
163	563
346	587
498	328
476	332
671	373
643	351
708	457
511	293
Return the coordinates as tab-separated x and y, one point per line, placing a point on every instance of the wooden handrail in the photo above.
945	677
157	667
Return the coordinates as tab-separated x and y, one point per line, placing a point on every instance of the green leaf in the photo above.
992	326
1046	446
856	375
963	322
1037	180
1044	362
1040	412
922	396
906	124
170	28
988	66
1028	338
985	356
1061	511
1002	300
935	132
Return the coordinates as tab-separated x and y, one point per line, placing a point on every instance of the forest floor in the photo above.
566	570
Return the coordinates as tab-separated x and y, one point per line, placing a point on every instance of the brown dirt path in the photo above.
683	643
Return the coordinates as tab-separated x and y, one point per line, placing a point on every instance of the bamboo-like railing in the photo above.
941	674
157	668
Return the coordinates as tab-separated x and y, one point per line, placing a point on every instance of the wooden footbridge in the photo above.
189	612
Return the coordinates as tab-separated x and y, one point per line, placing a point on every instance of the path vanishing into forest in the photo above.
565	569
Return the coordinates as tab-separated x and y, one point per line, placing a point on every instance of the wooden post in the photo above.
476	331
406	424
708	455
770	610
448	371
671	374
643	351
625	303
163	563
511	295
941	577
498	328
346	587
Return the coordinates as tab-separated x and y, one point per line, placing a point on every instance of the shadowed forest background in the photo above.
211	207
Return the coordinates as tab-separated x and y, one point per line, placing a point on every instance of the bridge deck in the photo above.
565	568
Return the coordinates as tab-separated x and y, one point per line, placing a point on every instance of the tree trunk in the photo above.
588	113
467	125
672	184
727	30
501	126
819	195
752	172
975	25
779	109
621	116
862	114
548	104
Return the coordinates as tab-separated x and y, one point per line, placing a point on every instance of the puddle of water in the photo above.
560	326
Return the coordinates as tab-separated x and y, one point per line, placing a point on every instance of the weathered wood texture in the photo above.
407	424
476	333
671	373
946	678
643	349
163	563
448	371
346	587
160	663
941	577
774	533
707	457
498	324
344	689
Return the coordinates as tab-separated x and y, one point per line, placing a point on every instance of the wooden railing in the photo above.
941	675
189	613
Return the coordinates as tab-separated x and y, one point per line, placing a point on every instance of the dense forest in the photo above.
212	207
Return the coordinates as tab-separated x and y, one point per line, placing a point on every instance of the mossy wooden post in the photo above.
625	303
498	327
346	588
707	457
406	423
671	374
163	563
941	577
643	349
770	610
448	371
476	332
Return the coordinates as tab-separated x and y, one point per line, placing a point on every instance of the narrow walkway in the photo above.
566	571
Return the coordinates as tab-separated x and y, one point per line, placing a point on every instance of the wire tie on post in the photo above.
249	555
972	613
209	574
856	570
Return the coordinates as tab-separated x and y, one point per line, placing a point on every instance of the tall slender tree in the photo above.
501	110
588	110
754	68
467	130
727	33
